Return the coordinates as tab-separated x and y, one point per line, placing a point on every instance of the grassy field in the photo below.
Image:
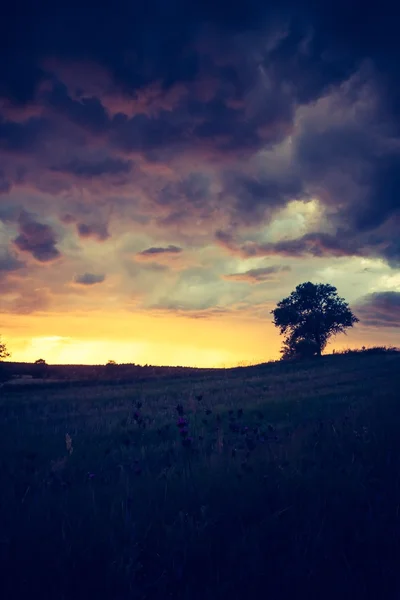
282	479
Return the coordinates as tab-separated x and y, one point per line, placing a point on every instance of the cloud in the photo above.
87	169
261	275
36	238
313	244
98	231
86	112
201	121
9	262
89	279
157	251
380	309
5	185
22	137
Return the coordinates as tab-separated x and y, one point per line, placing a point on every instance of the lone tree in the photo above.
309	317
40	368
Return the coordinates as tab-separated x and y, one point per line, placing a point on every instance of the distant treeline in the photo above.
11	370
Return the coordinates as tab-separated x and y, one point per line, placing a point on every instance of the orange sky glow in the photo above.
158	340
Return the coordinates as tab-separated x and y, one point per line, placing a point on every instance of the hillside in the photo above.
276	479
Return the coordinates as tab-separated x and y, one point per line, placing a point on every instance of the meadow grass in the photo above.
282	479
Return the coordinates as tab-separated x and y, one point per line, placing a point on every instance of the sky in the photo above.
170	170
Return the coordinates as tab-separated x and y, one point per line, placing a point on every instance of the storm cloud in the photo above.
380	309
200	130
37	239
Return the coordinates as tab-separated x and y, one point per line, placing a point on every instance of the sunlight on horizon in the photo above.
142	339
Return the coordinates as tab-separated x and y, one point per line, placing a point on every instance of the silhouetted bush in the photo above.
372	350
40	369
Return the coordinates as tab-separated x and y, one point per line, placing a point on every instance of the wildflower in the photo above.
90	475
68	443
136	416
184	432
181	422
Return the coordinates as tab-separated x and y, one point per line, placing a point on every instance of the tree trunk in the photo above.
318	342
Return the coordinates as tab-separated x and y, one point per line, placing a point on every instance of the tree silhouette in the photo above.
3	354
40	368
3	351
40	361
309	317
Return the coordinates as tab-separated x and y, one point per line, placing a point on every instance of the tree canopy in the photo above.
309	317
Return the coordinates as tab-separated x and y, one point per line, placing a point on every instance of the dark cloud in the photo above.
197	93
89	278
87	169
98	231
256	198
312	244
5	185
380	309
23	137
86	112
261	275
155	251
320	245
9	262
68	219
354	166
38	239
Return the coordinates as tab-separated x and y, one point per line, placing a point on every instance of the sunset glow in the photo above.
162	186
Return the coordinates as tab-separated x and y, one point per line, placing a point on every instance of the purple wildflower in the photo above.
181	422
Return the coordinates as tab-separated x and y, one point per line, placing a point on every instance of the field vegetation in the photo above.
277	479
